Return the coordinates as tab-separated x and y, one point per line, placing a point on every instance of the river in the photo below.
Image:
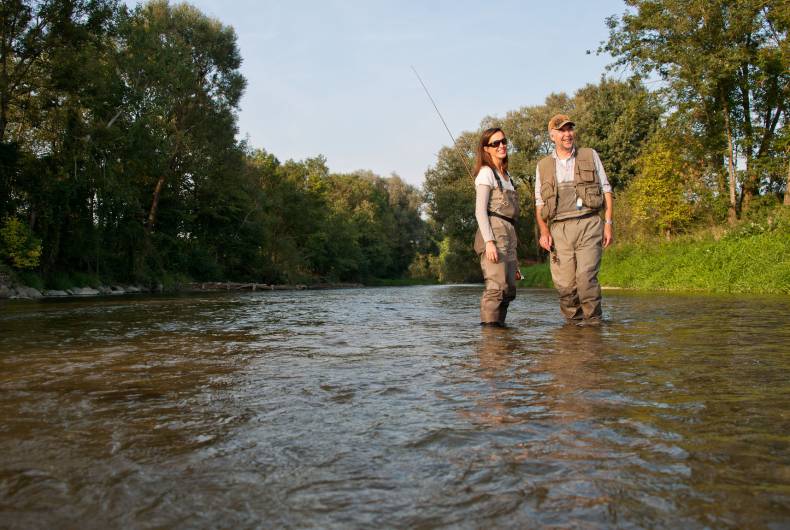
392	408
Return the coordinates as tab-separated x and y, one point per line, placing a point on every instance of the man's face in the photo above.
563	137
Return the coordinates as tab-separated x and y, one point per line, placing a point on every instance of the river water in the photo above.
391	408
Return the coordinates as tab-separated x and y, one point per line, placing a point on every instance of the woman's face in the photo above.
497	146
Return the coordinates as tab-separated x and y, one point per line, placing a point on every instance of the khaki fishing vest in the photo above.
501	203
560	201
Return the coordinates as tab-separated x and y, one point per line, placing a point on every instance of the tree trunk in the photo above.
732	214
3	122
787	187
149	225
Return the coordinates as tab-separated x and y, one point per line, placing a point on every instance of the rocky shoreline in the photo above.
23	292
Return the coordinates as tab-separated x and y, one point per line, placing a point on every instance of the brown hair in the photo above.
481	157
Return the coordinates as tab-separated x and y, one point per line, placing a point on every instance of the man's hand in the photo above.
607	235
546	241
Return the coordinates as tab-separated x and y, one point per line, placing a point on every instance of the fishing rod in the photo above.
455	144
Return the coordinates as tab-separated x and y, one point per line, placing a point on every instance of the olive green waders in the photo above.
500	277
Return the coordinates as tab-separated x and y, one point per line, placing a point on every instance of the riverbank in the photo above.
12	291
739	262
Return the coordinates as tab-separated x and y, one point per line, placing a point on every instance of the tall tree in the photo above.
181	72
616	118
723	63
181	86
50	84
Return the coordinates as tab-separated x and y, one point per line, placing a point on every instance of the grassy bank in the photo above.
536	276
756	263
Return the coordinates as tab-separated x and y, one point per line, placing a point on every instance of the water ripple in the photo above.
392	408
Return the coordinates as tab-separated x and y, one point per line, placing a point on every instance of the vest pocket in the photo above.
586	170
591	196
549	208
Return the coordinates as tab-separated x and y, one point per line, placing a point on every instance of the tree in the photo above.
181	71
659	197
52	55
450	197
616	118
725	64
18	244
410	236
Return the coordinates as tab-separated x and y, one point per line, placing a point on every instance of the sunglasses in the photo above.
503	141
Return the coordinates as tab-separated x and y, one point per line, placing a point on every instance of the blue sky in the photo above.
334	77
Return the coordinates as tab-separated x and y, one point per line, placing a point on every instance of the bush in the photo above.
18	244
765	215
30	279
59	281
424	267
81	279
458	262
174	281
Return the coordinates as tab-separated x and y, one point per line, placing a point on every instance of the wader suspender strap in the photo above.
499	181
494	214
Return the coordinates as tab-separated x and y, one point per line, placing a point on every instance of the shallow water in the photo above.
390	407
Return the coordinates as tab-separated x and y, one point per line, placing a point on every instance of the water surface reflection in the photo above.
390	407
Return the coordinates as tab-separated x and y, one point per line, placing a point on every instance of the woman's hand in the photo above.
519	277
491	252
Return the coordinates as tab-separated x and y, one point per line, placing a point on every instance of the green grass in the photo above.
753	263
536	276
757	264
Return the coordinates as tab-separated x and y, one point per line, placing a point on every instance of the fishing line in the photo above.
455	144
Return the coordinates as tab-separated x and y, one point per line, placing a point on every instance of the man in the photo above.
570	190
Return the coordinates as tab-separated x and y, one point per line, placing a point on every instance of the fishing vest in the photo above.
502	204
561	200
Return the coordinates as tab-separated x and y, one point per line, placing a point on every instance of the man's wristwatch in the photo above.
608	221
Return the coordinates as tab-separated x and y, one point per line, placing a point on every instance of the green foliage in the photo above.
18	244
742	262
31	279
173	282
82	279
59	281
538	275
424	266
458	262
765	216
118	146
136	175
659	195
616	119
725	66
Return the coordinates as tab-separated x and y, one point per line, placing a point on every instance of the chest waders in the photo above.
571	209
500	277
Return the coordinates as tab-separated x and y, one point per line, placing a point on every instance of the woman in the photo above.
496	210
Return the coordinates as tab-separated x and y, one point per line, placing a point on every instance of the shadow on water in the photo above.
391	408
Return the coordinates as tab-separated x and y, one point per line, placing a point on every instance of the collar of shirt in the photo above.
565	167
556	156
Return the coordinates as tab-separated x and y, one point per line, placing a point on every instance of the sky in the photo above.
334	77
